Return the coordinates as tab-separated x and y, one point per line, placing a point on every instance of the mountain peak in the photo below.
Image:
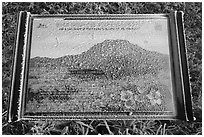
117	41
117	47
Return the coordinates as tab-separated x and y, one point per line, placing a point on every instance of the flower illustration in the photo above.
139	98
112	95
126	95
101	93
150	96
129	103
140	90
154	97
154	102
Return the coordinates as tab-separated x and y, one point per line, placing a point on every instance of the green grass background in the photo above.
193	30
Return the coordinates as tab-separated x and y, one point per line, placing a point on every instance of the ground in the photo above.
193	30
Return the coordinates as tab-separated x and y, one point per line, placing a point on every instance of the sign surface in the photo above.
100	67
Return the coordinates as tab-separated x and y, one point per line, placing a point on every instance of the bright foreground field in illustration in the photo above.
112	76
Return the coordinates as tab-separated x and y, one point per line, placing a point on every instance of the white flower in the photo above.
140	90
154	97
149	96
126	95
153	101
157	94
158	101
139	98
129	103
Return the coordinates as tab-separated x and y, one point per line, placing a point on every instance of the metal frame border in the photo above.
178	61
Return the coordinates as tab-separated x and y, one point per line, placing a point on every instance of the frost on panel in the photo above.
99	66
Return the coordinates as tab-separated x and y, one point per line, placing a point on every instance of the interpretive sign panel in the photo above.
100	67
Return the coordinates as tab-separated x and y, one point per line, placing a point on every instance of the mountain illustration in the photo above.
116	58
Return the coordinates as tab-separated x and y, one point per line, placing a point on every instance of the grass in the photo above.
193	31
103	127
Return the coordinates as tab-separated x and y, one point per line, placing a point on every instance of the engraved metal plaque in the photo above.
100	67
